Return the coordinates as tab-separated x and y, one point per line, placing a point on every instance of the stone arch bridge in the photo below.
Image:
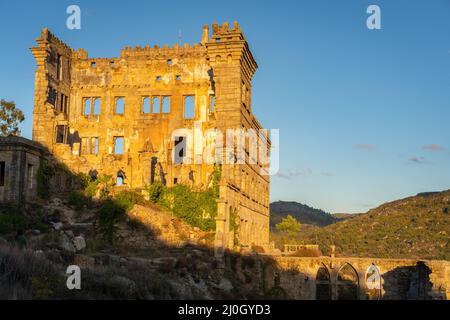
333	278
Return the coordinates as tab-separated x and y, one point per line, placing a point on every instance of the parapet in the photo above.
49	38
163	52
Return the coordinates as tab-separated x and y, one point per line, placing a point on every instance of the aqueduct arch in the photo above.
323	284
347	283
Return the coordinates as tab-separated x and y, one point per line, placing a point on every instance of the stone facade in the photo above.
117	116
19	164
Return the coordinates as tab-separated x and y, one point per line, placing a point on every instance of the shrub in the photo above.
84	179
198	209
101	186
128	198
11	220
154	191
110	213
77	199
44	175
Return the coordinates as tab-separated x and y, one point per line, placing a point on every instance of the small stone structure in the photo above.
19	164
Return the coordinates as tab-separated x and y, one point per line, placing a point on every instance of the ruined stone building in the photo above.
117	116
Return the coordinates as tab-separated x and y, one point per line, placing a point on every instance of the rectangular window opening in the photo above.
2	173
60	133
120	105
52	96
61	103
87	106
156	104
59	67
94	145
189	107
66	103
119	145
166	104
146	105
97	102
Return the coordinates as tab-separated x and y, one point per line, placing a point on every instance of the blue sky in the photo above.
364	115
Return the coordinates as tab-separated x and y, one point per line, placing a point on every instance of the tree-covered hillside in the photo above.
414	227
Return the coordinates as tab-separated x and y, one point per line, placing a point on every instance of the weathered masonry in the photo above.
117	116
19	163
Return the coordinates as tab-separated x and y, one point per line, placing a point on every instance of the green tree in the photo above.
289	226
10	118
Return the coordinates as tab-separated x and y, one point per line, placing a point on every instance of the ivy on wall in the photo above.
197	208
44	176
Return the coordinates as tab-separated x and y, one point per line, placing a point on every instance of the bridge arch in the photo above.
373	282
347	283
323	283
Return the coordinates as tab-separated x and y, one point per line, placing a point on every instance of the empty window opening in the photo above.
93	173
178	77
189	109
51	96
97	103
175	180
146	105
87	106
118	145
169	62
158	78
60	134
212	103
30	173
120	178
59	67
93	64
166	104
156	102
180	149
120	105
61	102
2	173
66	103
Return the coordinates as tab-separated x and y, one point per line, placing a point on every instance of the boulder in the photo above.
79	243
70	233
56	202
66	243
57	225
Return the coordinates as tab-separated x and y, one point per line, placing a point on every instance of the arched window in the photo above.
347	283
120	178
323	284
373	283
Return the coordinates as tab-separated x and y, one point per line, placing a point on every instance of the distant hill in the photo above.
303	213
345	216
414	227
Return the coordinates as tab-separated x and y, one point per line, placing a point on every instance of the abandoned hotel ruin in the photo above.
117	116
